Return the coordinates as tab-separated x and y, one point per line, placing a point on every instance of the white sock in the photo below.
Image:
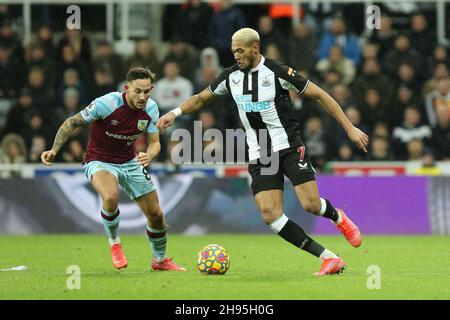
116	240
327	254
279	223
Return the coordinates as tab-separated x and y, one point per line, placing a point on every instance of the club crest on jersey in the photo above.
142	124
265	82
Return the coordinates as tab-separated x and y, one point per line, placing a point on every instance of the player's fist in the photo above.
143	159
165	121
47	157
359	138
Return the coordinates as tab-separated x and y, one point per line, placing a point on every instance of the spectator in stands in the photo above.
354	115
9	37
36	126
186	58
44	39
12	73
37	57
208	121
274	53
226	21
345	152
71	79
403	98
372	78
401	53
379	150
74	152
337	61
109	61
370	51
191	25
407	76
316	142
209	67
436	99
14	152
422	39
268	33
440	56
103	83
38	145
373	109
19	114
338	35
331	78
172	89
79	43
302	48
319	14
441	133
440	72
341	93
71	106
384	37
415	150
412	128
70	61
381	129
145	57
43	97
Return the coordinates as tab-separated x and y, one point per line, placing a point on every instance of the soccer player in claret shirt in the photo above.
117	120
260	87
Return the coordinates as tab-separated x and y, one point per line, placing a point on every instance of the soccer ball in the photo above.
213	259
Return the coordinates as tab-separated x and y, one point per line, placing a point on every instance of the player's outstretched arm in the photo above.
190	105
359	138
61	137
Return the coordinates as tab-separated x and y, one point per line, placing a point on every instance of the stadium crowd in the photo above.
394	85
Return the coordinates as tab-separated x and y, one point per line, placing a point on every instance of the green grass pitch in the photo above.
262	267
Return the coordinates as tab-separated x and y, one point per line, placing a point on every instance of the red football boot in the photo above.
349	230
331	266
118	257
167	264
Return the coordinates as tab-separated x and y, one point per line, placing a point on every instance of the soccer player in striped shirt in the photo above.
260	88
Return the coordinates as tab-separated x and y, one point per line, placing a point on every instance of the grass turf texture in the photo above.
262	267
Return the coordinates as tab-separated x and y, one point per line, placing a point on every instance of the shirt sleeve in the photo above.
154	115
291	80
98	109
219	86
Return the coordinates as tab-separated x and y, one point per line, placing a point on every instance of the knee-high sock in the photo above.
111	222
328	211
293	233
158	242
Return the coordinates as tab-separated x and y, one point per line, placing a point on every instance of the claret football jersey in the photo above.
115	127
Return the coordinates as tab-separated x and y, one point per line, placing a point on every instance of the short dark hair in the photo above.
140	73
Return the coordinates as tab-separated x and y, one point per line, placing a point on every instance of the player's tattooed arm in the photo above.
66	129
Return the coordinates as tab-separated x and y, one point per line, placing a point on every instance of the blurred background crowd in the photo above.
394	83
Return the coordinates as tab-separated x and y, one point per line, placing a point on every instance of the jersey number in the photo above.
301	151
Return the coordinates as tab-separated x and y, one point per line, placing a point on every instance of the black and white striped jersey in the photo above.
262	98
